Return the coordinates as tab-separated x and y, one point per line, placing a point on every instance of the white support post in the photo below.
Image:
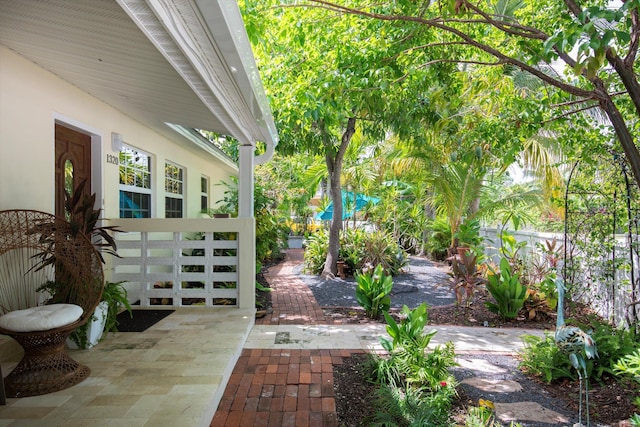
245	182
247	255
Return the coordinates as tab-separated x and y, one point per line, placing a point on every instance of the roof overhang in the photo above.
183	62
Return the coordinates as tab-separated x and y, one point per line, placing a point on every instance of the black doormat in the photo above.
141	320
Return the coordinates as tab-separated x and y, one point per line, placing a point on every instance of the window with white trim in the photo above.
174	189
204	193
135	183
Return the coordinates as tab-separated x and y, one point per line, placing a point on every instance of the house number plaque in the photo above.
114	160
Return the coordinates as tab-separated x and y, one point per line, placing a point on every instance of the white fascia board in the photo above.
249	81
207	146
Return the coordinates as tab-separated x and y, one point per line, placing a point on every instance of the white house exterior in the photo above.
85	84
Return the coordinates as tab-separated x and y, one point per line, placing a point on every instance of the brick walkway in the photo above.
277	387
293	302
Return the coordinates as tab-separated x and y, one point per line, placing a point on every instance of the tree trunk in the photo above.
430	214
621	129
334	167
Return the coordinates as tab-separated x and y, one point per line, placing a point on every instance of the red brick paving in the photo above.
277	387
297	398
292	301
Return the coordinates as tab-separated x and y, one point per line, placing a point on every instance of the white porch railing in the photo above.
187	262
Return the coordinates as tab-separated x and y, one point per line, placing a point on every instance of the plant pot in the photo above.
94	328
462	250
295	242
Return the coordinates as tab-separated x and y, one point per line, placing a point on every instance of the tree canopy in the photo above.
584	54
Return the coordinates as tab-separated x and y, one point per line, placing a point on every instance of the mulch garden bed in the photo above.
610	402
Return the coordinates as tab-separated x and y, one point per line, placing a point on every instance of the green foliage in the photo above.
466	277
416	387
468	233
410	329
483	416
457	184
542	358
409	360
270	230
372	291
359	249
115	295
506	289
629	365
315	254
509	246
439	239
412	407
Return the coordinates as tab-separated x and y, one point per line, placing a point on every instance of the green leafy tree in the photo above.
596	43
325	86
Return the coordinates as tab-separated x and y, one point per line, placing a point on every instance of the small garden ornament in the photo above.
576	343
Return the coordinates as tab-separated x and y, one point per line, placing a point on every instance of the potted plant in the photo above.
298	226
84	219
114	298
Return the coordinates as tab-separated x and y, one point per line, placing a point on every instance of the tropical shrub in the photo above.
271	232
542	297
416	387
484	416
372	291
439	238
506	289
466	277
468	233
315	254
542	358
359	249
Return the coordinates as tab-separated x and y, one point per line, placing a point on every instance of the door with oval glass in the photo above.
73	163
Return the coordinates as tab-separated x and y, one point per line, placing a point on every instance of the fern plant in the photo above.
542	358
629	365
507	291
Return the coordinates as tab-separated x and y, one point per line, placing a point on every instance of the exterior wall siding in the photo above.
33	100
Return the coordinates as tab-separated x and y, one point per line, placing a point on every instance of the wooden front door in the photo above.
73	163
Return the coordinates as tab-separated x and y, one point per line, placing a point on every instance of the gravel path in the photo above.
422	281
496	377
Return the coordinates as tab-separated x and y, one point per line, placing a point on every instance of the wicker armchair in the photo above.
36	249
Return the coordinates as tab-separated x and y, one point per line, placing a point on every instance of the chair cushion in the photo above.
41	318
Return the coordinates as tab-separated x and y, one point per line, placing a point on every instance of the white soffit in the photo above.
157	60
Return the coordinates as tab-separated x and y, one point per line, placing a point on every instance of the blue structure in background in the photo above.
347	198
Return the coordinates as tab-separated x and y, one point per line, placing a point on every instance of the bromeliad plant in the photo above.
506	289
372	291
